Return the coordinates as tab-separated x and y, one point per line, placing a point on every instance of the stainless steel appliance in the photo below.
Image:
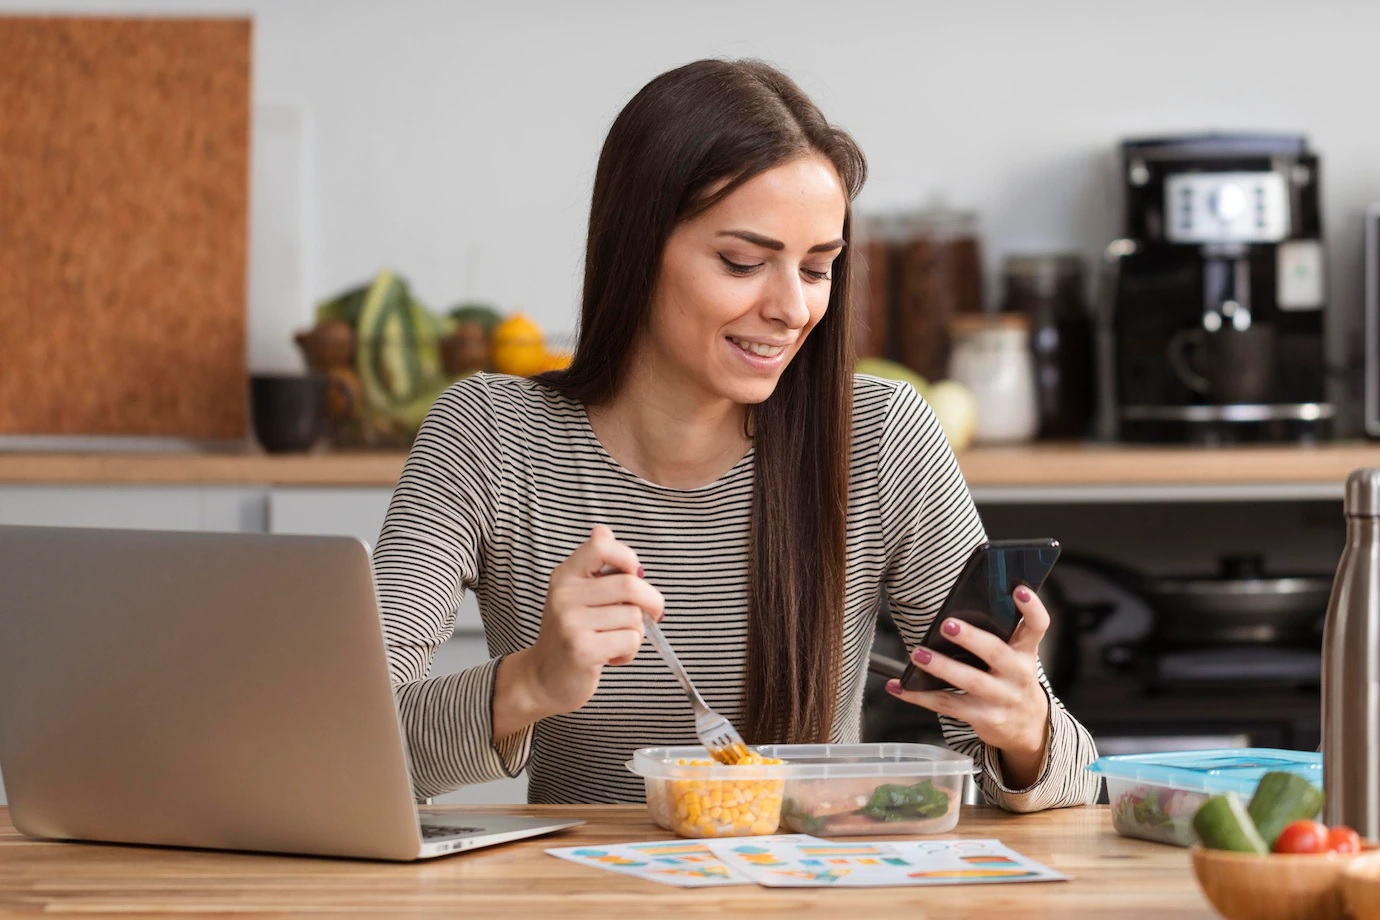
1351	666
1211	323
1371	324
1231	659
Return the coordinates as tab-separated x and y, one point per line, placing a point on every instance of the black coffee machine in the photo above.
1211	321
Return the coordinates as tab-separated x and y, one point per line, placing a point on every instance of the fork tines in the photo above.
727	748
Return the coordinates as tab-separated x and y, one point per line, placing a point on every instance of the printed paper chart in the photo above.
685	863
814	863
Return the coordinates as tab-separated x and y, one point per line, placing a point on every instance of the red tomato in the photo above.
1302	837
1343	840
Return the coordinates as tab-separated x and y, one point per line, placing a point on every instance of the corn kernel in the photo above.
726	808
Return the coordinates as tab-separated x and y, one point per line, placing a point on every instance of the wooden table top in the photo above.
1112	876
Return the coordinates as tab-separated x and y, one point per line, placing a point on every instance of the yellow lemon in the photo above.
517	347
557	360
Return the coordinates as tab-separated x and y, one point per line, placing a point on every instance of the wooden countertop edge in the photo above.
1139	465
190	469
1038	465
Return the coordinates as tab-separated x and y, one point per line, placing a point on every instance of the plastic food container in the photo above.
838	789
1154	796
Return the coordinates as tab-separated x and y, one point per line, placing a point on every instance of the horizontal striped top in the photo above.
506	479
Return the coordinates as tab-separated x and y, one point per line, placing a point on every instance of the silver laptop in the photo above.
209	690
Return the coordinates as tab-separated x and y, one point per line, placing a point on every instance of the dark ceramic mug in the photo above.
1227	366
289	410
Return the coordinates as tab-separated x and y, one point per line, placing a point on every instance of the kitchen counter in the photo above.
1112	876
1048	471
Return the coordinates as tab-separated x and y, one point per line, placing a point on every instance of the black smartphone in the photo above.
982	596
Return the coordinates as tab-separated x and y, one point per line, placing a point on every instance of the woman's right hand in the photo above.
592	618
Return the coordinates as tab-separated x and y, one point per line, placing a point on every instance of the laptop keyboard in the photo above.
433	831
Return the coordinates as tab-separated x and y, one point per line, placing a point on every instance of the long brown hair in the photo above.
685	141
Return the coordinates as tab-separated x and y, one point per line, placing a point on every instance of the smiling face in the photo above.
744	282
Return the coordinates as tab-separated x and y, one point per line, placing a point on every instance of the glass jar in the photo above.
992	358
1048	290
871	271
938	268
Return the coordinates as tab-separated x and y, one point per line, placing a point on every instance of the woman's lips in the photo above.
759	355
760	349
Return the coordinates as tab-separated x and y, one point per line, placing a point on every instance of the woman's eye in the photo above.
816	275
737	268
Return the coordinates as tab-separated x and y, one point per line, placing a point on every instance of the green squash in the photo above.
398	353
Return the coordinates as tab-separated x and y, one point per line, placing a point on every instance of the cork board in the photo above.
124	170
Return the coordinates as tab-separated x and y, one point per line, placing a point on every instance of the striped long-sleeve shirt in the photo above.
506	479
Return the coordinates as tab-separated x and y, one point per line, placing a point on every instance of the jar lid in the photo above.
941	223
965	323
1043	266
881	228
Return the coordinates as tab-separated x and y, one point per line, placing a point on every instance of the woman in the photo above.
708	458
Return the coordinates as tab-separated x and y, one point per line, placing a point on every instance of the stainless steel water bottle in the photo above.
1351	667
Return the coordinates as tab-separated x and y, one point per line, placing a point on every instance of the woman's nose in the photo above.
786	303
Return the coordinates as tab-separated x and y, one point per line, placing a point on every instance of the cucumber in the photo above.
1222	823
1280	800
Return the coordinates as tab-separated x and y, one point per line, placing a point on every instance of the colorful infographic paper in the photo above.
818	863
685	863
802	861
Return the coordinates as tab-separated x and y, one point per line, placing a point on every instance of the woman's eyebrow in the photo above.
767	242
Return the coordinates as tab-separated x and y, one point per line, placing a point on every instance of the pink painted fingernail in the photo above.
1023	594
951	627
642	573
922	656
893	686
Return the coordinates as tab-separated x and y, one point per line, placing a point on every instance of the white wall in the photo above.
456	141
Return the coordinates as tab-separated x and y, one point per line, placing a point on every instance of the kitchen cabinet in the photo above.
187	507
1164	509
359	512
355	512
1137	690
150	507
246	507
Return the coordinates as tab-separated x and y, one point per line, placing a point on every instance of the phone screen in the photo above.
982	596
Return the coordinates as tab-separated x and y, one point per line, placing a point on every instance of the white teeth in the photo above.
764	351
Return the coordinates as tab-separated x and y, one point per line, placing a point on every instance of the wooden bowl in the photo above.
1279	886
1361	887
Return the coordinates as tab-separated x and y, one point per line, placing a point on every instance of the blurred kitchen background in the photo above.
456	141
437	157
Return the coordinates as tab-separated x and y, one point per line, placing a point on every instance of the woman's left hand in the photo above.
1006	706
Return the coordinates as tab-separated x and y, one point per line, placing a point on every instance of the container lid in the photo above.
1363	493
807	761
1236	769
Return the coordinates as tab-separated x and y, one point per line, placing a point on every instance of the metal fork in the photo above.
715	732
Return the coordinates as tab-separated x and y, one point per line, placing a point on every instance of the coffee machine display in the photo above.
1211	323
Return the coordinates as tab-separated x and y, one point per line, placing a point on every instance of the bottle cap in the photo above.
1363	492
